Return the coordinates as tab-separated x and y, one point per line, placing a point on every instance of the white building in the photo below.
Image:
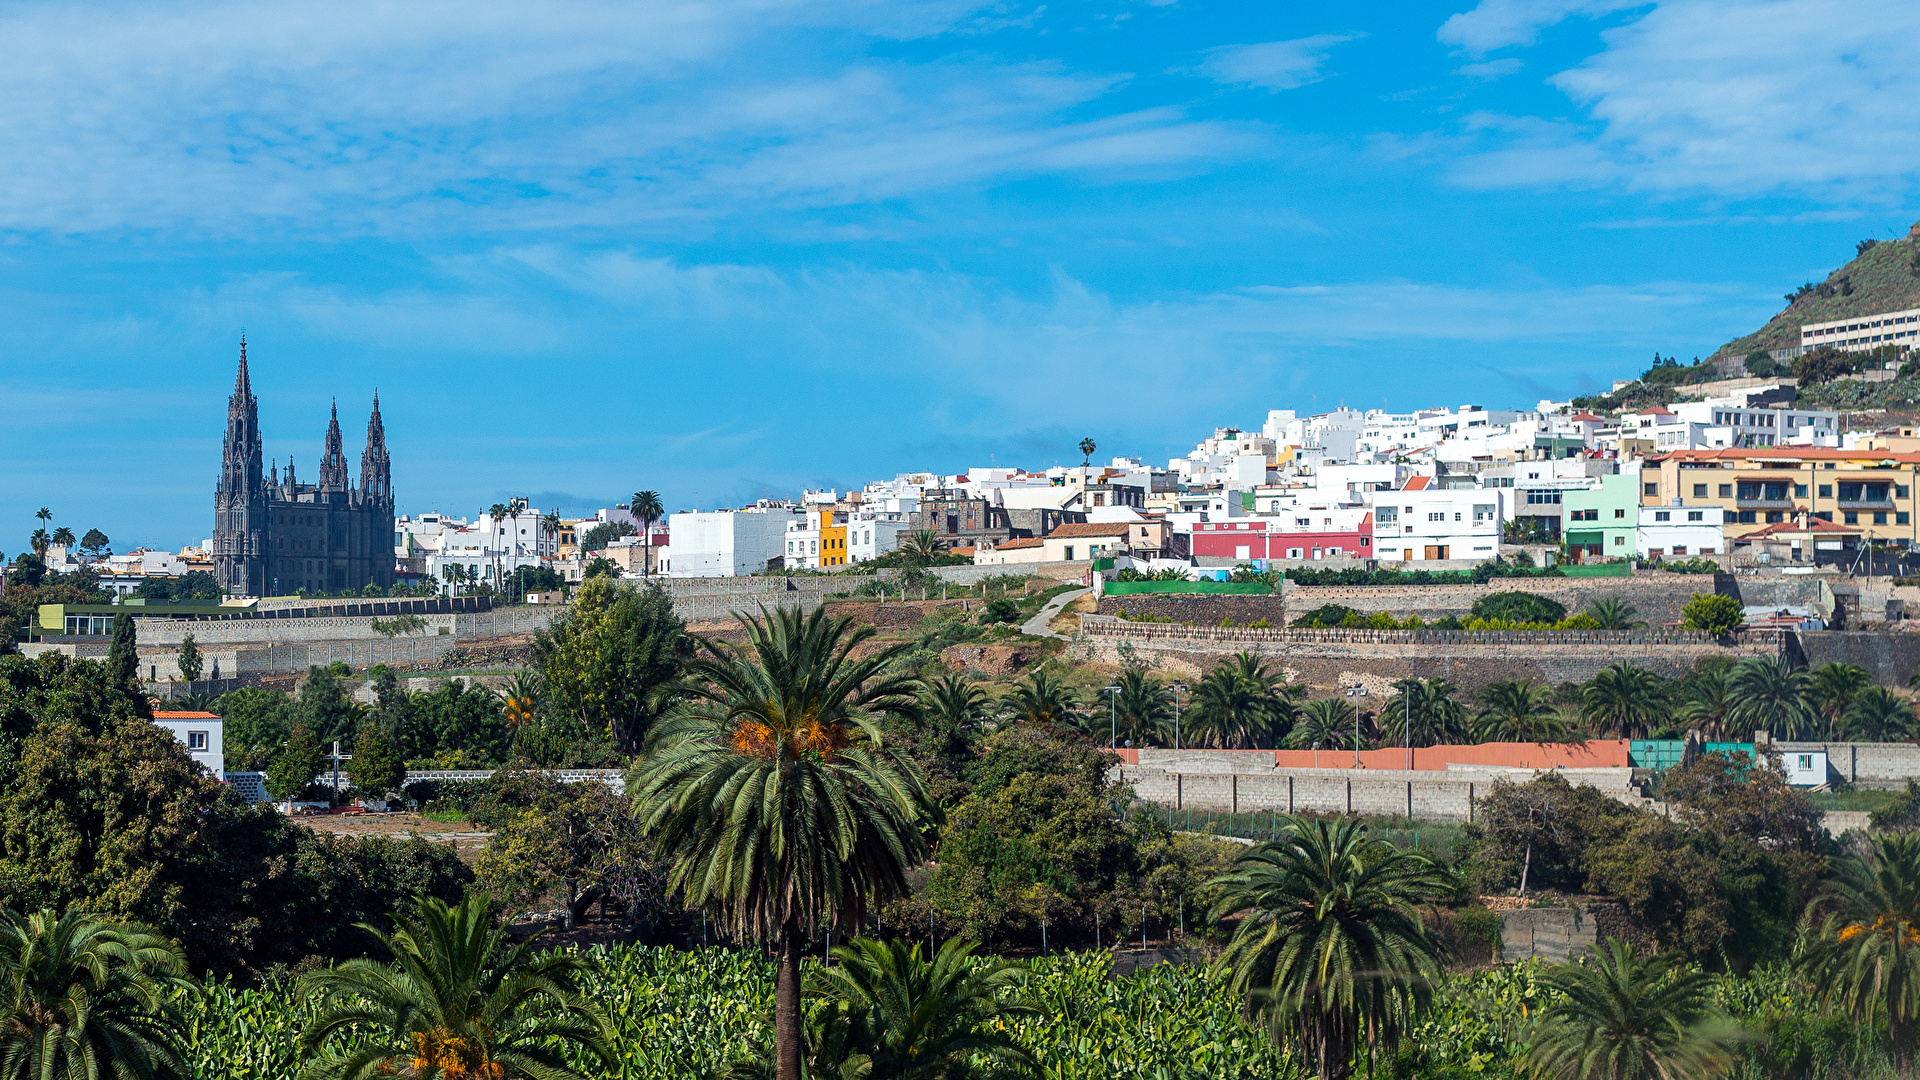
1731	421
727	543
1420	523
202	734
1679	532
1864	333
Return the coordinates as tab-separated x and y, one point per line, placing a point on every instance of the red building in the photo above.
1263	538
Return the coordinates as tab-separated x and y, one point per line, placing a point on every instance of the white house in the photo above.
1420	523
1679	532
201	734
727	543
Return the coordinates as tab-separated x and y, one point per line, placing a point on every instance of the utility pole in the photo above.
1113	716
1356	693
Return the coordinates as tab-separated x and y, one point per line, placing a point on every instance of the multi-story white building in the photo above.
1732	422
1679	531
728	543
1864	333
1421	523
203	735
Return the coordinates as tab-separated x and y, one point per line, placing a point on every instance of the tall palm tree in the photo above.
86	997
1613	613
1087	447
46	517
1241	704
1877	714
1623	699
773	798
1627	1017
1043	699
1515	710
1332	950
551	523
1328	722
497	514
1143	709
64	537
39	542
521	703
1863	954
459	1002
954	708
922	546
1706	704
1769	694
646	509
1430	708
1831	689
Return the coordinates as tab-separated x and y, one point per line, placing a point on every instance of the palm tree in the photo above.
1087	447
954	708
1515	710
497	514
1831	689
458	1003
646	509
1877	714
922	546
521	703
1705	703
773	798
1143	709
1613	613
1043	699
64	537
1623	699
1240	704
1429	706
1328	722
1864	953
39	541
83	997
1627	1017
1331	948
551	523
1769	694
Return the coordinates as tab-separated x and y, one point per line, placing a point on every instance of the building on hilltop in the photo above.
276	537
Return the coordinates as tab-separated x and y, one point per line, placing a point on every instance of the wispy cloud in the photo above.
1274	65
1496	24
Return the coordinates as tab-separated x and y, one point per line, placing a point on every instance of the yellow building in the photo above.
833	538
1761	486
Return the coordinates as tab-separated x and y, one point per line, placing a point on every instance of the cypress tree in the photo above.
190	661
123	659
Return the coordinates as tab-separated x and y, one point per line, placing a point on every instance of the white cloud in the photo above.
1736	98
359	117
1273	65
1491	69
1496	24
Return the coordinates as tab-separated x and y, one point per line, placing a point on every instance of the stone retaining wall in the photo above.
1425	795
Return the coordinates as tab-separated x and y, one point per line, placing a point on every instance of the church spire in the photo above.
376	470
333	466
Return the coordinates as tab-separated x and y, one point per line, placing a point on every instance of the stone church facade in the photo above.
274	538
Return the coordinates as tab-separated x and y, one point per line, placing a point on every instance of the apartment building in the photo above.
1603	521
1864	333
1420	523
728	543
1733	422
1871	489
1336	533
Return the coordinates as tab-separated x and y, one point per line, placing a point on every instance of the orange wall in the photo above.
1592	754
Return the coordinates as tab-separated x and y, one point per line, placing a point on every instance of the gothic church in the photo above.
274	539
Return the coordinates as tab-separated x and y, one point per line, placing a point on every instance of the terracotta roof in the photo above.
185	716
1587	417
1798	453
1417	483
1025	542
1811	525
1090	528
1657	410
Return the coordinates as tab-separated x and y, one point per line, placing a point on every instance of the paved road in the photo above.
1037	626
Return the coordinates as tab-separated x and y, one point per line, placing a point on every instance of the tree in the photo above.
583	841
40	540
1768	693
791	715
1043	699
1143	709
1831	689
64	537
190	662
458	1003
1328	722
953	706
1861	951
601	567
1238	704
1712	613
29	569
1627	1017
94	541
297	765
497	516
1429	706
608	660
921	546
1087	447
1331	948
1705	702
123	656
1624	699
82	996
1518	606
646	509
376	768
1613	613
911	1017
1876	714
1515	710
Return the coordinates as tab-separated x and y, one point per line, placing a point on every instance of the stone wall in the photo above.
1424	795
1891	658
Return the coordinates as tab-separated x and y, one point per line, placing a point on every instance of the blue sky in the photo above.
732	249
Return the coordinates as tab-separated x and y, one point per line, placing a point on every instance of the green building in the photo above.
1601	522
80	620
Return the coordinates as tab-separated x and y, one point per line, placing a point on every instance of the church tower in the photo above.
333	466
376	471
240	499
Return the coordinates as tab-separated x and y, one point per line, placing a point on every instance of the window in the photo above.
1726	491
1618	540
1619	513
196	741
1436	517
1877	492
1699	491
1900	518
1662	515
1806	762
1775	517
1746	517
1851	492
1853	517
1879	517
1069	552
1799	491
1826	491
1679	549
1899	491
1650	489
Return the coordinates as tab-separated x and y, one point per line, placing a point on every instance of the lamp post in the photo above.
1356	693
1113	716
1177	688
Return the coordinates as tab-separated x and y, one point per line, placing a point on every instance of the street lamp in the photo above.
1356	693
1177	689
1113	716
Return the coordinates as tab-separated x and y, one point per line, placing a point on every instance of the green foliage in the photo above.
1515	606
298	763
376	768
598	537
257	723
1902	813
608	658
123	658
1479	575
1623	699
195	585
81	996
580	841
1712	613
1514	710
190	662
1001	610
1423	713
1766	693
1625	1017
399	624
1041	698
1822	365
1330	722
1241	704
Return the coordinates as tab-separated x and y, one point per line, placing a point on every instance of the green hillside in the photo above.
1884	277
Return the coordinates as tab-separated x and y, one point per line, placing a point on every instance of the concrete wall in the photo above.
1657	594
1891	658
1449	796
1869	765
1554	934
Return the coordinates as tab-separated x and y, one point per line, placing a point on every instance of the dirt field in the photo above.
467	840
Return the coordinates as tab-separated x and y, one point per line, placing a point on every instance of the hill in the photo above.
1883	276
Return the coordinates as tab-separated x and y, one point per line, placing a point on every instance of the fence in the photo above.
252	785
